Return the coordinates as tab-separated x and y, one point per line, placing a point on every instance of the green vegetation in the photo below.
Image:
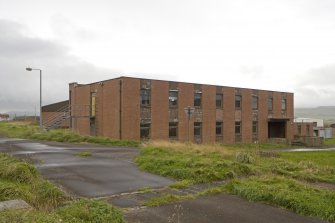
166	199
29	131
278	178
329	142
291	194
20	180
84	154
324	158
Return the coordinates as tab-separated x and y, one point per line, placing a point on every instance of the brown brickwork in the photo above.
119	112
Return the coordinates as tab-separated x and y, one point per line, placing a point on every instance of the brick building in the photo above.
134	109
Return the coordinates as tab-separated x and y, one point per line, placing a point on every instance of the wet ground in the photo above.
110	170
111	174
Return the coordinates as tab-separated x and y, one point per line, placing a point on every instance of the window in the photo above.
197	99
254	102
237	127
197	129
299	130
173	129
283	104
270	104
238	101
145	131
219	99
219	129
93	97
254	127
145	97
173	98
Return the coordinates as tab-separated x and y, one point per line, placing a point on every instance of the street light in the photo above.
31	69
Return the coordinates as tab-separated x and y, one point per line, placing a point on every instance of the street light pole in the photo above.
41	119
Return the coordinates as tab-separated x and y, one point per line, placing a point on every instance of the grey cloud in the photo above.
316	87
19	88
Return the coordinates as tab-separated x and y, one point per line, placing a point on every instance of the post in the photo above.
189	111
41	119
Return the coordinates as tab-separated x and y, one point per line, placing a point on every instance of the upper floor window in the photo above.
283	104
197	99
238	101
219	99
173	98
270	104
254	102
145	97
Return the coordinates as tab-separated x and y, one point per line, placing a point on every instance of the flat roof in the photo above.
139	78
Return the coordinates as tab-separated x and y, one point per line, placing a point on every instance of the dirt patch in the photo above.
324	185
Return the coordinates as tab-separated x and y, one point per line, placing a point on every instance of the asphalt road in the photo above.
108	171
219	208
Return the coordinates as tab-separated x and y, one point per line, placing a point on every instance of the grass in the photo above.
29	131
84	154
20	180
324	158
191	163
329	142
288	193
280	178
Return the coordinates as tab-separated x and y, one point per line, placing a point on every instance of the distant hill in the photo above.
327	113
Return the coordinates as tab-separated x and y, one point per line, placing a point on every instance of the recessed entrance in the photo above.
277	128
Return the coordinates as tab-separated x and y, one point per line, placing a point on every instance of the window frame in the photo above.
270	104
283	104
219	125
254	102
197	126
238	101
220	99
196	100
173	103
145	126
173	125
145	97
238	124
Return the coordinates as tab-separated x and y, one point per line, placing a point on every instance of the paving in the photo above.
110	174
219	208
110	170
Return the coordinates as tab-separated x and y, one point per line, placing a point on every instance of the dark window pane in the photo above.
254	127
145	131
173	98
237	127
173	129
197	99
197	128
219	99
238	101
145	97
218	128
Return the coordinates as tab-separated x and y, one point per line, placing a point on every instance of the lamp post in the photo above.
189	111
41	121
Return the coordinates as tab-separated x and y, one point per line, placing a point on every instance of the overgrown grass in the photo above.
288	193
29	131
193	164
251	172
84	154
20	180
324	158
329	142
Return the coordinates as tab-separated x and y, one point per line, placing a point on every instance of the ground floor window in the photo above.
254	127
173	130
145	131
197	129
237	127
218	130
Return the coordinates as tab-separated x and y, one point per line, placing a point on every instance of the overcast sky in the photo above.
286	45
